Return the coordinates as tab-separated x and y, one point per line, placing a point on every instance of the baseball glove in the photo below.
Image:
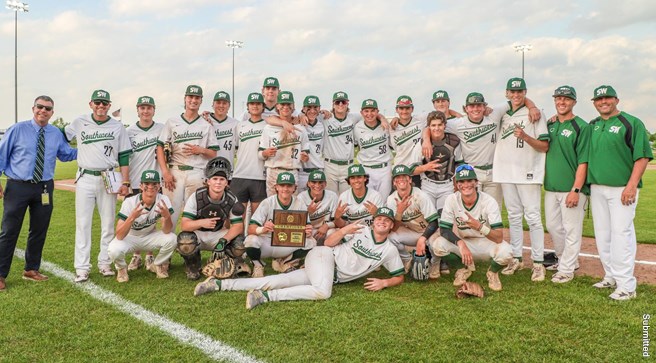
470	289
219	266
419	267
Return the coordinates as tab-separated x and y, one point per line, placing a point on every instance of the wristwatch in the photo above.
576	190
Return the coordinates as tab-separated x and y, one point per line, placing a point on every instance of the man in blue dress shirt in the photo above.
27	157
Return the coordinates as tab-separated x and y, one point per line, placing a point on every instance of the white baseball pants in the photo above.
566	227
524	199
380	179
157	240
186	183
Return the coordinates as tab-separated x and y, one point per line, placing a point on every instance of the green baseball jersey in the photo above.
611	160
569	143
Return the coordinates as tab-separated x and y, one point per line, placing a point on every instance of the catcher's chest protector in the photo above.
206	208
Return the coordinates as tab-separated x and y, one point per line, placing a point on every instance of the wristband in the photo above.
127	183
259	230
485	230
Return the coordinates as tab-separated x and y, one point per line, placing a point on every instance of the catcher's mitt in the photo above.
470	289
219	266
419	267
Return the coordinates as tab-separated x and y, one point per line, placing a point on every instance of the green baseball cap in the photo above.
384	211
221	95
475	98
285	97
369	103
441	95
150	176
271	82
311	101
356	170
286	178
317	176
604	91
565	91
401	170
340	96
100	95
255	97
465	172
145	100
516	84
194	90
404	101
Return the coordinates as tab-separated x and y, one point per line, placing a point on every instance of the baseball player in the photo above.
406	138
564	182
415	218
519	168
374	153
213	214
225	127
358	203
321	205
270	92
136	228
471	230
281	150
143	137
193	143
249	183
349	254
619	154
103	144
315	132
258	241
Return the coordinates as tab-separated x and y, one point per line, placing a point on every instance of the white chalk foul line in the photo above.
652	263
212	348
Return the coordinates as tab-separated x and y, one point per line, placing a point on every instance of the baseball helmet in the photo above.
218	166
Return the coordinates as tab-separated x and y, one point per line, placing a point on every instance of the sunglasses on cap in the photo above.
563	92
40	107
464	167
340	102
99	102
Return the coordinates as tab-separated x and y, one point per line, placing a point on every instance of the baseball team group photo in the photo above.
272	224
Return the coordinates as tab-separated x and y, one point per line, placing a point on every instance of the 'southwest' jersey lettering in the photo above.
144	144
222	134
366	252
243	136
470	136
407	135
341	130
186	136
372	141
96	137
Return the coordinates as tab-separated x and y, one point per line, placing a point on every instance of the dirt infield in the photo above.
590	266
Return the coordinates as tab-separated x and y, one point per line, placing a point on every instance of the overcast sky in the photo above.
370	49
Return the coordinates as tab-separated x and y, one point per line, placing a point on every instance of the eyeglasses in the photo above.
40	107
464	167
341	102
98	103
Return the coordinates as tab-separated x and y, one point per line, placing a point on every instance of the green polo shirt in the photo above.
568	148
610	161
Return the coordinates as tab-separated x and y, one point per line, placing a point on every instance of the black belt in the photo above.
28	181
309	170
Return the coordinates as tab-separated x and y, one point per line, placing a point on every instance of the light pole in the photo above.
16	6
523	48
233	44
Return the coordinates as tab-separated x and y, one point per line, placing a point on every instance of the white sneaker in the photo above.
210	284
135	263
258	271
513	266
561	278
553	267
150	260
538	272
493	281
255	298
106	271
461	276
162	271
605	284
619	295
122	275
81	276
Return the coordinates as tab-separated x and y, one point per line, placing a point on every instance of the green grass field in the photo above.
527	321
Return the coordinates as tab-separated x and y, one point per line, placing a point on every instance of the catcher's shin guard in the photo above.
189	249
236	247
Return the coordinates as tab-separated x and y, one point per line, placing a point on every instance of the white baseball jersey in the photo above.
419	213
249	165
180	132
374	144
315	134
515	161
99	145
288	148
359	255
339	143
486	210
144	143
406	142
265	210
478	140
147	221
191	211
356	210
226	136
326	210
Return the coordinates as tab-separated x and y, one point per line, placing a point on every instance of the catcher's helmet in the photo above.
218	166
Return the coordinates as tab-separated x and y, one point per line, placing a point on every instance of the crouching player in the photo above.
358	250
135	229
478	234
321	206
211	221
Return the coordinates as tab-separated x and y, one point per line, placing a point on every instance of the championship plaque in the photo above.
289	228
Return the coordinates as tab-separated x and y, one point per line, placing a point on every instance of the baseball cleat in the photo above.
538	272
461	276
122	275
513	266
135	263
434	271
258	271
605	284
255	298
209	285
81	276
444	268
493	281
150	260
162	271
622	295
561	278
106	271
553	267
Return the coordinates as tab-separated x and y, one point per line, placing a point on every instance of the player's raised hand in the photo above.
163	210
209	223
402	204
138	211
371	207
519	132
472	222
312	208
353	228
340	209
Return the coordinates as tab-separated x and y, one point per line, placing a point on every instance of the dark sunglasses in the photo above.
98	103
340	102
40	107
464	167
563	92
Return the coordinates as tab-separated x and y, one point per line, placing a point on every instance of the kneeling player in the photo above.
135	229
212	221
358	250
321	206
478	235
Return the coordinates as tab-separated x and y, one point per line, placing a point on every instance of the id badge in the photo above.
45	198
